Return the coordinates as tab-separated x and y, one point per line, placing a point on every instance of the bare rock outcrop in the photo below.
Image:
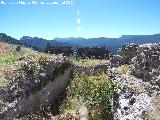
144	59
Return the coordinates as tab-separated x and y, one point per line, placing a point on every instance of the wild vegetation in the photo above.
92	91
77	60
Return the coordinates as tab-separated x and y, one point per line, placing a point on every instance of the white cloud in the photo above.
78	21
78	29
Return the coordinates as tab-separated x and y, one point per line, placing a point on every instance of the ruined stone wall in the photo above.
91	69
41	99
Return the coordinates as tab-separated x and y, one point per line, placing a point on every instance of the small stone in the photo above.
132	101
83	111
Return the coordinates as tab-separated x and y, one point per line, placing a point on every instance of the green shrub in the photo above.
95	92
74	57
30	67
7	59
123	69
42	59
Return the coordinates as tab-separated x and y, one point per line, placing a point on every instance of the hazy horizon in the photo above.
78	37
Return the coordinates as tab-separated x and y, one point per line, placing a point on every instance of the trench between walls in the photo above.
45	96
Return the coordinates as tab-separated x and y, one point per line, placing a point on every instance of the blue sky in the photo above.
96	18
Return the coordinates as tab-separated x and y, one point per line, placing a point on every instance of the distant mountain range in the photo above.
41	43
8	39
110	43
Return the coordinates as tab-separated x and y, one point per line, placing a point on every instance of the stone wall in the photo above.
34	84
41	99
91	69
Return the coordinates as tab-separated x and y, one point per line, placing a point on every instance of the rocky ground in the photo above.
138	82
134	98
134	71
